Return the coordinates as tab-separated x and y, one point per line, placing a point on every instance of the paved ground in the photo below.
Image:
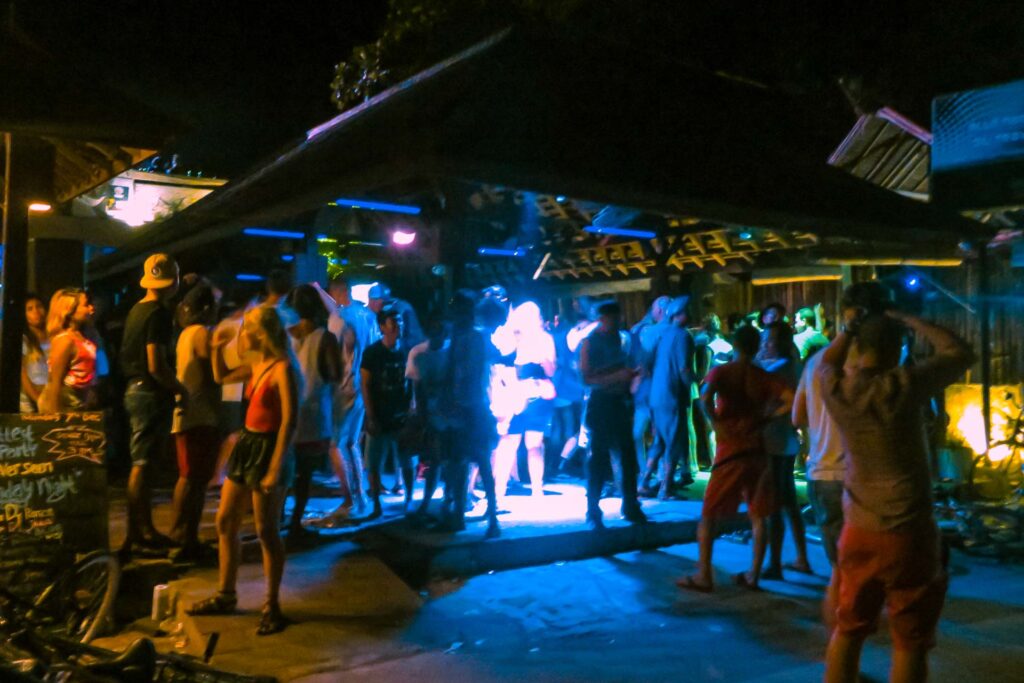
609	619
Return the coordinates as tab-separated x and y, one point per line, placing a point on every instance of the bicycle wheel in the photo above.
78	604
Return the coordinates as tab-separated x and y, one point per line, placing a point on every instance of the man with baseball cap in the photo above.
412	332
152	390
672	379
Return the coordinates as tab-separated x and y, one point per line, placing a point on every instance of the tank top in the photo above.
313	422
82	369
264	412
36	368
196	375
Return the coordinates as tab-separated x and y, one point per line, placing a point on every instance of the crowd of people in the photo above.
308	378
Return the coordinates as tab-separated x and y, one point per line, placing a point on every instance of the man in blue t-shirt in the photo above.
672	380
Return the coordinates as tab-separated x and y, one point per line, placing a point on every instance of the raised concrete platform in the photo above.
533	532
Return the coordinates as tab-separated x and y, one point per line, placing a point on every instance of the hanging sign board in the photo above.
977	159
53	493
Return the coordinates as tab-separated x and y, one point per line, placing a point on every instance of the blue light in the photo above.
497	251
287	258
621	232
746	235
912	282
279	234
560	199
378	206
248	277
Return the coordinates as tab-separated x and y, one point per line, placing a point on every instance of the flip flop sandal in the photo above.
271	621
221	603
742	581
690	584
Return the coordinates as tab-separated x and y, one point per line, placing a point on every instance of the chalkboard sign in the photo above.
53	494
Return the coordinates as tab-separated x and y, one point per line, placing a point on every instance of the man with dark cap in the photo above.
672	380
606	371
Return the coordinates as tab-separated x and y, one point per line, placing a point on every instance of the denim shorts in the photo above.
150	412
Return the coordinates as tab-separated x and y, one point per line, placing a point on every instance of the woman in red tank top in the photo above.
71	385
261	462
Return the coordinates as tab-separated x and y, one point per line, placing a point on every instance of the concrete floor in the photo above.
618	618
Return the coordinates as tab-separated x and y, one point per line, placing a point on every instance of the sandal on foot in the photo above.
691	584
221	603
271	621
743	581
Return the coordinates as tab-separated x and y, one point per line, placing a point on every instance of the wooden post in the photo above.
28	175
986	341
14	274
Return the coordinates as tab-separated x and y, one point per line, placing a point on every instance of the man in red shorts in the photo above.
738	398
889	550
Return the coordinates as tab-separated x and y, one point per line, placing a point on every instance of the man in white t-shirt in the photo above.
355	327
826	463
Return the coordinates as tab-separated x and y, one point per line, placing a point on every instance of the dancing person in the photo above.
425	369
606	370
826	464
35	349
260	465
778	356
71	383
808	335
889	552
646	335
355	328
773	312
569	393
470	429
388	398
232	415
196	426
535	366
672	379
278	285
568	378
319	364
380	296
152	392
738	398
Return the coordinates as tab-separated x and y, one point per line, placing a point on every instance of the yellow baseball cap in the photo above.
160	272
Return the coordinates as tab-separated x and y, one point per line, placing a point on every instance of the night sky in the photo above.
248	78
245	78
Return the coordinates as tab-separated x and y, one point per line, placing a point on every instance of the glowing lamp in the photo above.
40	207
401	238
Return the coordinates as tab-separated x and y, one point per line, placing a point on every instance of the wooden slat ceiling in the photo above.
887	150
81	166
682	243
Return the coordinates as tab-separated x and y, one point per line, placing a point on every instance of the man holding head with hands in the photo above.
889	552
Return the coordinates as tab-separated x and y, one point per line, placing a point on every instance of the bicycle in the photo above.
79	603
988	526
35	652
